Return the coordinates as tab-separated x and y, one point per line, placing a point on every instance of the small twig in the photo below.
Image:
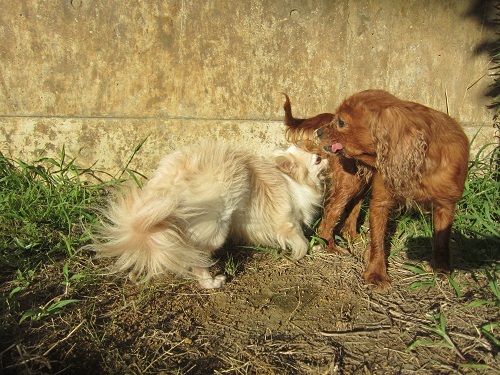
6	350
296	307
447	103
450	342
355	332
168	352
298	327
26	361
229	327
64	339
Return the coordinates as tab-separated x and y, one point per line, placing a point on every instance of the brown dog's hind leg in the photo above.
443	216
345	197
332	213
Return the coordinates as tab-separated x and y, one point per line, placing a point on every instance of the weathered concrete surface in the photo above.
98	76
109	143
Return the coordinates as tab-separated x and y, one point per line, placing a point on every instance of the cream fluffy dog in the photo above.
201	196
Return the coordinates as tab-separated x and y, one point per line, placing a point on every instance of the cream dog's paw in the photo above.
219	281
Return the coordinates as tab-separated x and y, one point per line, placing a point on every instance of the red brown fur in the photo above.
417	154
348	183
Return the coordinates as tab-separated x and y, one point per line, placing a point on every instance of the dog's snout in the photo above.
319	132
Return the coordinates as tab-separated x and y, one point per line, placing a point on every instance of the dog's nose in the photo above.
319	132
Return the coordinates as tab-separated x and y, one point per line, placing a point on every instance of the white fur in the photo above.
201	196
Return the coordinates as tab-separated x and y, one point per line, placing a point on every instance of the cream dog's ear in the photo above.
285	163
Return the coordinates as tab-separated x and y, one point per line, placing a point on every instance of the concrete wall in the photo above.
99	76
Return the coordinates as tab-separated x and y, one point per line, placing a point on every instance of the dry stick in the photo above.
417	322
229	327
292	314
168	352
447	104
450	342
6	350
64	339
36	357
355	332
476	81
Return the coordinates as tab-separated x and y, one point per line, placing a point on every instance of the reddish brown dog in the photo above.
417	154
348	183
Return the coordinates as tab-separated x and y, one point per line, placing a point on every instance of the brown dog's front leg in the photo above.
353	209
380	206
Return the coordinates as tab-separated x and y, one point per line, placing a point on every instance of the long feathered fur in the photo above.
418	155
201	196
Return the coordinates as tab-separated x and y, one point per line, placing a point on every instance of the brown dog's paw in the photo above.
377	282
334	249
439	267
350	231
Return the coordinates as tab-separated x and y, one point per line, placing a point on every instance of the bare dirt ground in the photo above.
272	317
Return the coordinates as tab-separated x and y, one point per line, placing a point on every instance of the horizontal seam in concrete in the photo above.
141	118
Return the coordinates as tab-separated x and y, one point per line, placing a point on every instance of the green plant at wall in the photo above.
478	212
45	206
42	208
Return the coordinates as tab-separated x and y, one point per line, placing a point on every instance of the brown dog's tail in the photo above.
290	121
301	131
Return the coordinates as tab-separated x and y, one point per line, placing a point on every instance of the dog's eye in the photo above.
340	123
318	160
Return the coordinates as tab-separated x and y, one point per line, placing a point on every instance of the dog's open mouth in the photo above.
335	148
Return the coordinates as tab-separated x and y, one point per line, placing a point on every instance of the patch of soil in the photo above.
272	317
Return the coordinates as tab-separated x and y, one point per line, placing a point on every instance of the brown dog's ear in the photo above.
401	146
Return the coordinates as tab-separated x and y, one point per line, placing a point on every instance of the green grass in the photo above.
43	208
478	213
46	205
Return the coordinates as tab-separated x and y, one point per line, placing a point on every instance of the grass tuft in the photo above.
478	213
43	207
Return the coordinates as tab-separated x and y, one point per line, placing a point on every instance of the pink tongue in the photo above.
337	147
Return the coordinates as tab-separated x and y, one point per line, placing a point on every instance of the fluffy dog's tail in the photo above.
146	237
